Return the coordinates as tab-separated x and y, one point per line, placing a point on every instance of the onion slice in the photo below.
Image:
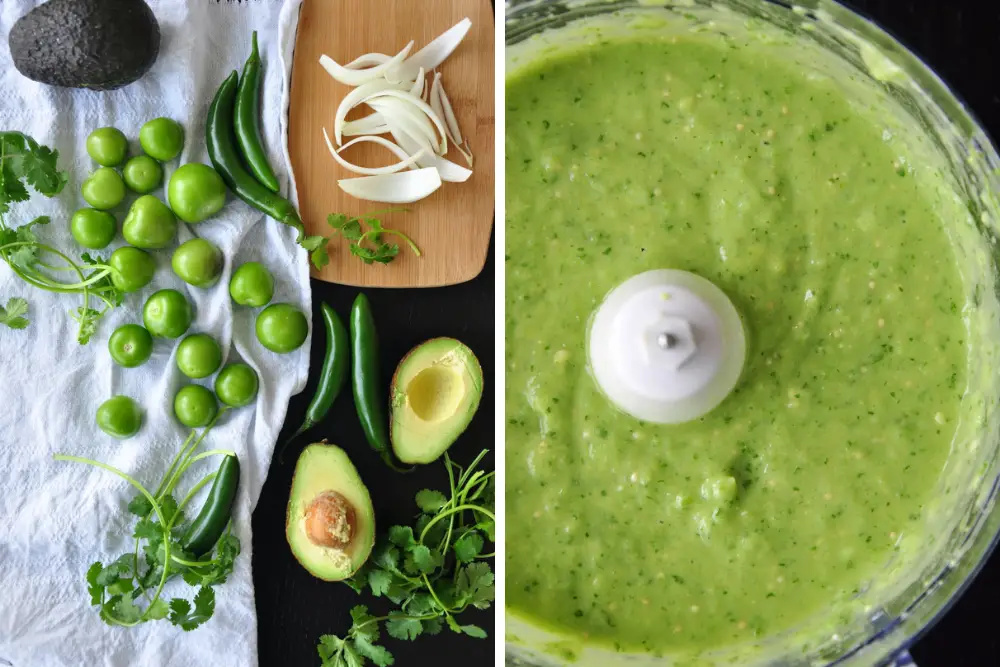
356	77
433	54
356	97
413	124
402	188
449	171
418	85
449	114
421	106
412	121
406	160
371	124
368	60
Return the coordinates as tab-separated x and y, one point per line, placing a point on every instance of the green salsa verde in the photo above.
685	153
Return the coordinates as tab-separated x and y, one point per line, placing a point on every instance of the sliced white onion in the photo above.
373	123
356	97
368	60
466	153
402	188
433	54
449	115
421	106
356	77
435	100
418	85
409	121
405	160
450	172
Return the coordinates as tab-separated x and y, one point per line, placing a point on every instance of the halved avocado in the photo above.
435	393
330	524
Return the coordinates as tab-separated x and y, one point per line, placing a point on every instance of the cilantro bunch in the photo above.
129	590
369	245
23	163
432	571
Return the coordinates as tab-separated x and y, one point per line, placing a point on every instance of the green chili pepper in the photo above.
208	526
333	374
369	398
219	135
247	121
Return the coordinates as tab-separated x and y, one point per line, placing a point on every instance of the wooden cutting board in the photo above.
452	227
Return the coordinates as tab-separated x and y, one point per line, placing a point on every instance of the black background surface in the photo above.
960	39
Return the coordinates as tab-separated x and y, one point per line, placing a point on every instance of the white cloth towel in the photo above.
57	518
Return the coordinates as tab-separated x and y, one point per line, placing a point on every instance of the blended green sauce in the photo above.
792	494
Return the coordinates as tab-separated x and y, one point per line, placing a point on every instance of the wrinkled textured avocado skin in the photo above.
96	44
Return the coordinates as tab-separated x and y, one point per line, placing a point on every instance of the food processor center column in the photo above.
666	346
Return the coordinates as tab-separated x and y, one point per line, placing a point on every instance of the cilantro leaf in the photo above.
430	501
12	190
377	654
421	560
140	505
474	631
329	648
433	626
364	623
453	624
126	611
475	585
402	536
40	170
379	581
168	507
158	610
468	547
351	658
351	229
489	528
95	589
115	571
179	608
421	604
311	243
316	246
400	626
204	607
147	529
388	557
13	314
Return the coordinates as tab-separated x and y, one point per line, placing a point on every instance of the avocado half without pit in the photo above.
435	393
331	522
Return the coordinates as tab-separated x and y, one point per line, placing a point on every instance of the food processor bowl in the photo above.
962	522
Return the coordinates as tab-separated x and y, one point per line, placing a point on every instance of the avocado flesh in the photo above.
435	393
321	469
96	44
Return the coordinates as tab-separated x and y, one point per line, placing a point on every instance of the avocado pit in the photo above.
331	521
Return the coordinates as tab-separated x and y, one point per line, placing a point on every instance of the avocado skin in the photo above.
96	44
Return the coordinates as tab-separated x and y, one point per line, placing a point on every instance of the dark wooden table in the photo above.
956	37
293	608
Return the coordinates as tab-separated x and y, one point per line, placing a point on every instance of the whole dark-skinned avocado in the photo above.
96	44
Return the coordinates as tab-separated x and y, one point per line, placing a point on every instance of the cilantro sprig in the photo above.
129	590
24	163
432	571
367	244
